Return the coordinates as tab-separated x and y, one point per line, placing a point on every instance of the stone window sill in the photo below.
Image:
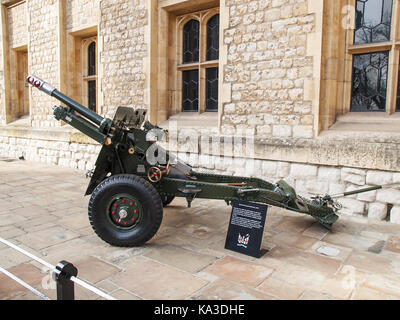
21	122
373	122
205	120
21	128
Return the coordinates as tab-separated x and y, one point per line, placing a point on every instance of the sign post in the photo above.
246	228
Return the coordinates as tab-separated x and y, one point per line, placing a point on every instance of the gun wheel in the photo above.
125	210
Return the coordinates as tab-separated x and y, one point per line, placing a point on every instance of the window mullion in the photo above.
394	61
395	32
202	58
391	91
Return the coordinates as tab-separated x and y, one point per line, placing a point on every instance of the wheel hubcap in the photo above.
125	211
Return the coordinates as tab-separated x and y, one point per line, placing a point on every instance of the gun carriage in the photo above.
128	191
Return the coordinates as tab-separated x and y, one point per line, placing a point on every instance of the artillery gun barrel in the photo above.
51	91
348	193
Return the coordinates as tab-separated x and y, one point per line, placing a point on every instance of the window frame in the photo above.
203	17
85	43
392	46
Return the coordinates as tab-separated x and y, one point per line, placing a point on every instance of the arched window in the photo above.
89	72
190	42
91	51
199	68
212	54
190	54
213	38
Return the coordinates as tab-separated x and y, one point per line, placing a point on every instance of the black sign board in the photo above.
246	227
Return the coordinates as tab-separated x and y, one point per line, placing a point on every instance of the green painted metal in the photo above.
125	151
61	113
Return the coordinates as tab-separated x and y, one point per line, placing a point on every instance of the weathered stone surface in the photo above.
377	211
379	177
10	288
354	176
303	171
296	240
281	131
171	283
237	270
94	270
180	258
280	289
393	244
303	131
352	206
269	168
364	293
45	238
329	174
395	215
389	196
226	290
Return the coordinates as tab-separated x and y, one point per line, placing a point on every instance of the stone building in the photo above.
313	82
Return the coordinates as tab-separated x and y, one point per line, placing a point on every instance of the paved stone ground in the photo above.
42	209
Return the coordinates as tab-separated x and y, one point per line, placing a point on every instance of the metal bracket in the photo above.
62	275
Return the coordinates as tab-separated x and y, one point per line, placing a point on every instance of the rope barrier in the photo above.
24	284
52	268
26	253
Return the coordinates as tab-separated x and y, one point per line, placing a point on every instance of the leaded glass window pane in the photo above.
373	20
212	89
92	59
92	95
190	90
213	38
190	45
369	81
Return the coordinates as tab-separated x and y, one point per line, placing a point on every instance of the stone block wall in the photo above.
43	57
122	29
52	147
81	13
267	65
18	28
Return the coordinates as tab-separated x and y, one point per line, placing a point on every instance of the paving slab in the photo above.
47	237
364	293
280	289
226	290
236	270
180	258
153	280
393	244
26	272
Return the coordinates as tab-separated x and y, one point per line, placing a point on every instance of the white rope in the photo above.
24	284
41	261
54	269
91	288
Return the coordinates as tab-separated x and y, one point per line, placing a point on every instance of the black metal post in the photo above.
65	287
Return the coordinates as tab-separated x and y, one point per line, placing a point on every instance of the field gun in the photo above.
129	190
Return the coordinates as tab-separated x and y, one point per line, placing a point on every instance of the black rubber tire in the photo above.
166	200
149	199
